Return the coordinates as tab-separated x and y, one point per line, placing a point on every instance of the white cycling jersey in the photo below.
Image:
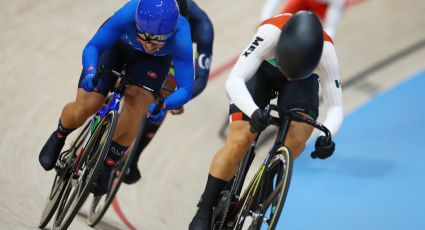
262	48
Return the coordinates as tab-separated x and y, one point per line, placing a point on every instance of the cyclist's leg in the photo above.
75	113
150	71
225	162
301	96
137	101
149	132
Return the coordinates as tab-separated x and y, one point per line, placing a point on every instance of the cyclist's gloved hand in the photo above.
324	148
87	83
259	121
177	111
155	118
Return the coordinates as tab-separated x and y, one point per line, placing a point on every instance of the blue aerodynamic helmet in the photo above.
157	17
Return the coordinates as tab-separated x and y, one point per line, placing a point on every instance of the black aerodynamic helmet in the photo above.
300	45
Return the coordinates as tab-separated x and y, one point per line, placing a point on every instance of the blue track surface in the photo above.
376	179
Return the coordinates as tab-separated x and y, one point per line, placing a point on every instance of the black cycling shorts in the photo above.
148	70
269	83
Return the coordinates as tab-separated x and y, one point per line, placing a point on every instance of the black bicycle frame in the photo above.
283	122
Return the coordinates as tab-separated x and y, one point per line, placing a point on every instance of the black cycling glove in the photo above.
259	121
324	148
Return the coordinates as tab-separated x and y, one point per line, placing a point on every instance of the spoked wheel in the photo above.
61	178
86	172
100	204
276	188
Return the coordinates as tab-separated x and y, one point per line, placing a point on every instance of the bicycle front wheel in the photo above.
86	172
61	177
279	172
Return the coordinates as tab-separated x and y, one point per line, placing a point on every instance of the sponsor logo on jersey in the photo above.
253	45
204	61
152	74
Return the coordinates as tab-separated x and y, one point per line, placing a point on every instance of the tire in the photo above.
90	165
61	178
276	189
100	204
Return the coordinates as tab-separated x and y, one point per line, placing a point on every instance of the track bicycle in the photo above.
261	203
78	167
100	204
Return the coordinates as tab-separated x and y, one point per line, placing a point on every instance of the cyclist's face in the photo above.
152	43
151	47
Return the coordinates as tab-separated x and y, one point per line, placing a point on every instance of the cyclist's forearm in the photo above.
201	81
177	99
334	118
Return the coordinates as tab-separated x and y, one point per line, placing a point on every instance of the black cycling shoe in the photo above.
200	222
102	184
50	152
133	175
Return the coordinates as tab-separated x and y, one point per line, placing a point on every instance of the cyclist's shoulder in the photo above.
278	21
125	14
182	40
327	37
183	27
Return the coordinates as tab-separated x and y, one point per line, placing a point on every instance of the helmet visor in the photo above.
153	38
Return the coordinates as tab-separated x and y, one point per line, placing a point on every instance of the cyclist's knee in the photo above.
297	136
296	146
87	105
137	99
239	141
86	109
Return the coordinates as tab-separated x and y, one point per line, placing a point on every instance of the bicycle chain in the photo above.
224	203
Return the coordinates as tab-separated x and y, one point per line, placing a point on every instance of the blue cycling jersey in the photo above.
122	26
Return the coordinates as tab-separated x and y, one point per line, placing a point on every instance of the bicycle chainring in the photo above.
221	210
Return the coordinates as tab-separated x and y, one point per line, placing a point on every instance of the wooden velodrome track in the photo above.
379	42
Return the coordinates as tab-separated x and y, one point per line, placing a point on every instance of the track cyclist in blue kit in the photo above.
146	36
203	36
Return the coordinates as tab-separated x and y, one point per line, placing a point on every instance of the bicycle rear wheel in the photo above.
61	177
86	172
276	189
